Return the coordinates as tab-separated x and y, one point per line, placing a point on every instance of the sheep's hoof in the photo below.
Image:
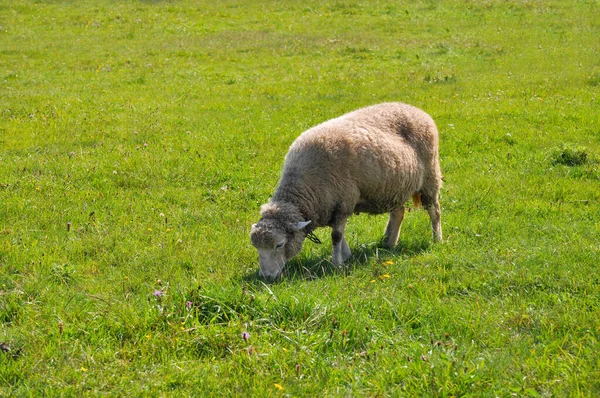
340	261
346	255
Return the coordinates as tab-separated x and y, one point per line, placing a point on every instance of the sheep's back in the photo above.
365	161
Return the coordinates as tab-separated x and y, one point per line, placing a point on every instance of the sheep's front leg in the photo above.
341	250
392	230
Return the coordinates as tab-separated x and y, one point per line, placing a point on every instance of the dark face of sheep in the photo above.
276	242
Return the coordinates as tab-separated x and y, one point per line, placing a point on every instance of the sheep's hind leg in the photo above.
341	250
432	205
392	229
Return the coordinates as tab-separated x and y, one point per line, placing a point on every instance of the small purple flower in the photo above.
188	305
246	336
158	293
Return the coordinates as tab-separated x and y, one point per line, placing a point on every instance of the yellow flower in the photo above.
386	263
149	229
279	387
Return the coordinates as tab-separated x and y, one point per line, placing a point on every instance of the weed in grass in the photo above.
594	79
570	156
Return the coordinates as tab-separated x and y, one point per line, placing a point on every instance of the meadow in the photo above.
138	140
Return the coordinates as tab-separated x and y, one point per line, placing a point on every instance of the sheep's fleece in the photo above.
371	160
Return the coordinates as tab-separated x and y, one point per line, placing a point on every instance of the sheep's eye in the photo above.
279	245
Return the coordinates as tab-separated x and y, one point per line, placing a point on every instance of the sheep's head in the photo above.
278	238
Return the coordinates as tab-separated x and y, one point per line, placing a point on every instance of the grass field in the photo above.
139	139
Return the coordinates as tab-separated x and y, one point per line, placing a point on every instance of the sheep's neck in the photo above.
303	199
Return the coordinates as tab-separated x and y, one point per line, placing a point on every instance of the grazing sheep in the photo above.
371	160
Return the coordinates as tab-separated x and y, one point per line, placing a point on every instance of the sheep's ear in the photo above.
302	224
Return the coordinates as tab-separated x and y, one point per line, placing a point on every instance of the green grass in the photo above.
139	139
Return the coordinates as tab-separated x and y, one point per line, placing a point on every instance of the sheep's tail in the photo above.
417	199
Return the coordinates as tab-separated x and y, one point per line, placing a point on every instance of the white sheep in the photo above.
371	160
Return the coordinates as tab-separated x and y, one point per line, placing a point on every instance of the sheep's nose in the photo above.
270	277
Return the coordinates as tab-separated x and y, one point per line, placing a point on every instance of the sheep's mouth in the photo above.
271	278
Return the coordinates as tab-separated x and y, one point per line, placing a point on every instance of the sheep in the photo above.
371	160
